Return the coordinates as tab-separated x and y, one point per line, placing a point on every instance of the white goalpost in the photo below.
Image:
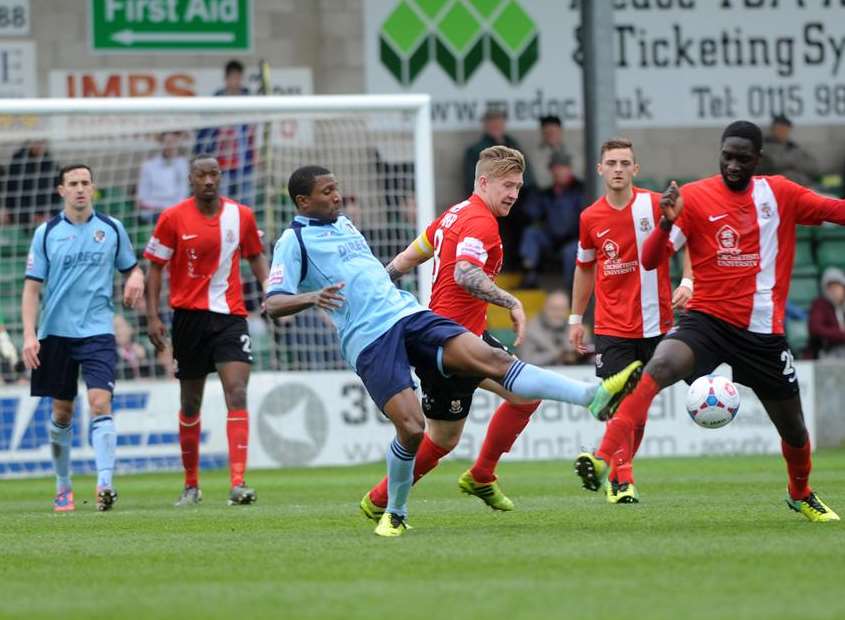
378	146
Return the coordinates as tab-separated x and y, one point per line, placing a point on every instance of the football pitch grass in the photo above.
712	538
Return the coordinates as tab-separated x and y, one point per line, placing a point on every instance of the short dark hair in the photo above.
551	119
781	119
301	182
71	168
232	66
615	143
200	157
746	130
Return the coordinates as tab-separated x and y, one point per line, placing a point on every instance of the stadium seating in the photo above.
805	285
830	250
804	246
797	334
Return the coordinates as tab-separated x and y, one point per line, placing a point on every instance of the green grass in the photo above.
712	539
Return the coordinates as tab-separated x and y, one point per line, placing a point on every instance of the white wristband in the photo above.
686	282
576	319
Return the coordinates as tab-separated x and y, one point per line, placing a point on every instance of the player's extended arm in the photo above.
133	290
683	293
29	316
260	269
414	255
582	289
474	281
156	331
282	304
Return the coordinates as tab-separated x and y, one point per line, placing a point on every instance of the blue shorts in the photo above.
60	357
385	365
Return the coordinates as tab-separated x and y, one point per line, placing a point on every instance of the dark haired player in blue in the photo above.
73	258
323	261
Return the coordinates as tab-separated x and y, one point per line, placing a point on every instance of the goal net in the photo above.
379	147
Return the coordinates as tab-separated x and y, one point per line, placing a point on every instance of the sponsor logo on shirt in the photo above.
356	247
602	233
716	218
189	237
99	236
277	275
728	250
30	261
82	258
473	248
613	265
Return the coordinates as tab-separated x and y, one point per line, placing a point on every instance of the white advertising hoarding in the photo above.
678	63
313	419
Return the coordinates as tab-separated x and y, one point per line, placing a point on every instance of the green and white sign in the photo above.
170	25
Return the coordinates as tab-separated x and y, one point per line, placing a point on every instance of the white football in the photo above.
712	401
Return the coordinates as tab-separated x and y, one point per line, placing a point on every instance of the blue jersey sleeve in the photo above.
286	270
37	264
125	259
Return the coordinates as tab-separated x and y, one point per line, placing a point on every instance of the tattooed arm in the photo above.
473	280
414	255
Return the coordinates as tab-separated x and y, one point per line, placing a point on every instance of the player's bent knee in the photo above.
236	397
63	411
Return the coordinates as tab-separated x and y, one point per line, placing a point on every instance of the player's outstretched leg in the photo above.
60	440
104	442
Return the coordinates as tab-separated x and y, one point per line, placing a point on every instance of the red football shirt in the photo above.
630	301
742	245
204	254
468	231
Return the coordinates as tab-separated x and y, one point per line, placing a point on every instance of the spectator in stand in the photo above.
163	180
131	355
31	184
551	143
553	215
827	317
234	145
783	156
493	125
547	334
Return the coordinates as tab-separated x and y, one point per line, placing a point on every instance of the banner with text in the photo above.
327	418
678	63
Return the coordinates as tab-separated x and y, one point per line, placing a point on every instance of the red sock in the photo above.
505	426
237	431
189	441
632	413
799	462
618	458
428	455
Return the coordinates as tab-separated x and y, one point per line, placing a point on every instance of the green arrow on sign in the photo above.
170	25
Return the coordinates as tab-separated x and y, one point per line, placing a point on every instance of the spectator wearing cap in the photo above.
827	317
783	156
551	143
494	133
553	231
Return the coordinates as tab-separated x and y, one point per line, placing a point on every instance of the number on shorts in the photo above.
246	344
788	365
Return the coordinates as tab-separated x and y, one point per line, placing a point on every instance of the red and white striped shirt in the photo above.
631	302
204	254
742	245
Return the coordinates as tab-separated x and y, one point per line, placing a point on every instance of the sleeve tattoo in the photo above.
393	272
477	283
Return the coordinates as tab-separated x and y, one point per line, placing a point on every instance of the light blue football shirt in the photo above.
76	263
312	254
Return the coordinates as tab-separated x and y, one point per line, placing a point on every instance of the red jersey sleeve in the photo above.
430	230
476	236
586	248
162	244
250	239
811	209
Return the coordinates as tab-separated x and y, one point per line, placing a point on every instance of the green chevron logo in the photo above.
459	35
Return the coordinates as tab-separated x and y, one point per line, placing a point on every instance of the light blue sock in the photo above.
104	441
400	477
60	438
530	381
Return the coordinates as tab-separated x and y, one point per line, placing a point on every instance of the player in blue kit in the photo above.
323	261
72	258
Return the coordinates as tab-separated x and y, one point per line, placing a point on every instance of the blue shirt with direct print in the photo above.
311	255
76	263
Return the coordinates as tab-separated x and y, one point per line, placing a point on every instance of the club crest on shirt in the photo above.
455	407
765	211
645	225
99	236
230	236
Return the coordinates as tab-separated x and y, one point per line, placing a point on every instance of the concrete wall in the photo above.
327	36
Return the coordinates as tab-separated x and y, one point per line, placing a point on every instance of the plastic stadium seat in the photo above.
804	246
797	334
830	248
504	335
804	287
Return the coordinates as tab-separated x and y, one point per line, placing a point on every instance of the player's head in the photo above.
204	178
498	178
76	186
618	164
742	143
314	191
